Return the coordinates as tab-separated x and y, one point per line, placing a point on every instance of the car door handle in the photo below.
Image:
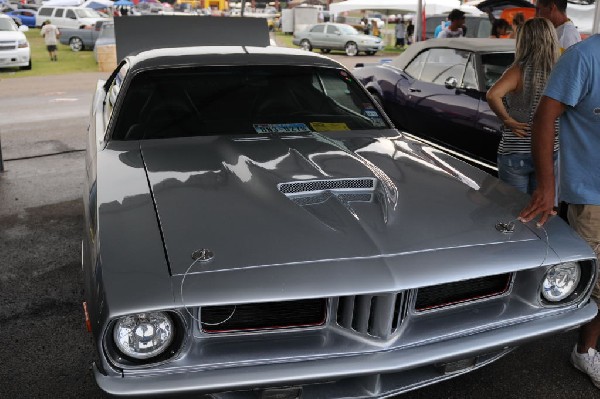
414	90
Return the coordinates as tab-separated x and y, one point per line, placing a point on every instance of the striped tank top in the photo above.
521	107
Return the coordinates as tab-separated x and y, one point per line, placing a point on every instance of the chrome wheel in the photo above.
305	45
351	49
76	44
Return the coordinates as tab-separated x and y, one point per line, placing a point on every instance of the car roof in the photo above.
478	45
227	55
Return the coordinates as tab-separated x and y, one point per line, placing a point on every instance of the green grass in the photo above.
83	61
68	61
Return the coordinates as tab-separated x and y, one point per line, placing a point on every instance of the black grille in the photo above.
322	197
462	291
322	185
375	315
8	45
263	316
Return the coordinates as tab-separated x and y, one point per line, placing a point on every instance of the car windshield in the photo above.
86	13
348	30
6	24
242	100
494	65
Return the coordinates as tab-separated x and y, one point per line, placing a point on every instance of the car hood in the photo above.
12	35
230	196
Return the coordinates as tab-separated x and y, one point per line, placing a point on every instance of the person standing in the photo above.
499	29
50	33
400	33
515	97
517	22
573	95
442	25
556	12
410	31
455	29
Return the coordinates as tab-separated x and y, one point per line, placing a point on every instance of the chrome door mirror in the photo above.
451	83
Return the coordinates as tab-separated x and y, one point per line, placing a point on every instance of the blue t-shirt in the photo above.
439	28
575	82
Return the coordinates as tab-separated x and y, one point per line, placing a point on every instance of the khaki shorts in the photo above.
585	220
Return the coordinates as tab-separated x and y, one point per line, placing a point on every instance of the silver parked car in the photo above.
333	36
256	227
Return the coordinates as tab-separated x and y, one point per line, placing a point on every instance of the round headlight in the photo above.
144	335
561	281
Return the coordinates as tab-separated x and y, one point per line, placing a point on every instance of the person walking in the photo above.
400	33
556	12
410	31
573	95
50	33
455	29
515	96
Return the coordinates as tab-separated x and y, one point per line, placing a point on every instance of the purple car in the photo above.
436	90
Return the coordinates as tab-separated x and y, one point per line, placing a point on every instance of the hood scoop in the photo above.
303	188
312	192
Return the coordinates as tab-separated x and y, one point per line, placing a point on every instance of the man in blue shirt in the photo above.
573	94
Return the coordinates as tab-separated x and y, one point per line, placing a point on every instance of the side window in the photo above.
470	78
318	29
443	63
332	29
485	28
113	92
46	11
415	67
494	65
71	14
59	12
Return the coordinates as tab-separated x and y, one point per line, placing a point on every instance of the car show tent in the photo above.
395	6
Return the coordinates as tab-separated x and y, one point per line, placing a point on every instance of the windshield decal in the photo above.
267	128
328	127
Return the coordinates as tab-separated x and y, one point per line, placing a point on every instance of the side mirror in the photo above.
451	83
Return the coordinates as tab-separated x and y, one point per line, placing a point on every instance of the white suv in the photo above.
14	47
68	17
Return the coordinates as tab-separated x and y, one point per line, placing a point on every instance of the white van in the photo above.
68	17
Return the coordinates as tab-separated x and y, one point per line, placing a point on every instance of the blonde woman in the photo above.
515	96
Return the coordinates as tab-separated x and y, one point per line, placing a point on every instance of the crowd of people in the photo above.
549	103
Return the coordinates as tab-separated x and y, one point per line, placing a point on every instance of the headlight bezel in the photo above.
172	350
582	288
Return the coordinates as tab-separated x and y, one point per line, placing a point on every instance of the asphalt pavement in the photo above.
45	351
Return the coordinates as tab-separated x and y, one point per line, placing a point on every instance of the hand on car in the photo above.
541	203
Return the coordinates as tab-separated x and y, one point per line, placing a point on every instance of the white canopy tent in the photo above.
395	6
73	3
398	7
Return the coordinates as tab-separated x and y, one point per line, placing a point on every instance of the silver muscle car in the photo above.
256	227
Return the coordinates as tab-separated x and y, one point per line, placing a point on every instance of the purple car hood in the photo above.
367	198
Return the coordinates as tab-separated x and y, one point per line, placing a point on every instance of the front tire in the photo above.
76	44
351	49
305	45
